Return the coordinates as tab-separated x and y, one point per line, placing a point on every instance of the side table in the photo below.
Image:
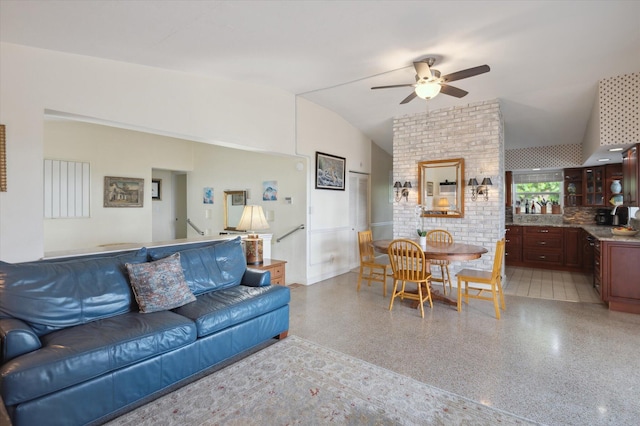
276	267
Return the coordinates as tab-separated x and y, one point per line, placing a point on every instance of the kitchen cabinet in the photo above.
573	187
587	242
594	186
612	172
542	246
631	175
513	245
620	271
572	247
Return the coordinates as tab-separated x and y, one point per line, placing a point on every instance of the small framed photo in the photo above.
330	171
123	192
238	199
207	195
156	189
429	189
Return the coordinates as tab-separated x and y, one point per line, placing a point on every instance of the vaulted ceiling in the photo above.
545	57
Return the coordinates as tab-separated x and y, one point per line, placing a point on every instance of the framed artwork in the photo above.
238	199
270	190
156	189
429	188
207	195
330	171
123	192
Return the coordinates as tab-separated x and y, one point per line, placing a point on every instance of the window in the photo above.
537	189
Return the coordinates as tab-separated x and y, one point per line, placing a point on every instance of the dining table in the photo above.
439	251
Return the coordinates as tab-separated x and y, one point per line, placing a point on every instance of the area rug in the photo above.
296	382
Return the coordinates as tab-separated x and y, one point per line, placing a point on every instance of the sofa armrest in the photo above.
256	278
16	338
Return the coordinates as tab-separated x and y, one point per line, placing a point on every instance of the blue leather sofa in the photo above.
76	349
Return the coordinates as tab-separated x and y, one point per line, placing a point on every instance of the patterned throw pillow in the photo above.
159	285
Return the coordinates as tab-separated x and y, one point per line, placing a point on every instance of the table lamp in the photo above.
253	220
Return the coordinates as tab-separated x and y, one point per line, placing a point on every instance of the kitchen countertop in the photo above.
601	232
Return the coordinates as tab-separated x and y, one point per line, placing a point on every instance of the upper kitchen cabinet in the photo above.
573	187
594	186
612	172
630	175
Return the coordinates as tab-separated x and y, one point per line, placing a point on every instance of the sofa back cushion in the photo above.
211	267
49	296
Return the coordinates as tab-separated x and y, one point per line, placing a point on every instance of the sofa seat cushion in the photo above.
224	308
79	353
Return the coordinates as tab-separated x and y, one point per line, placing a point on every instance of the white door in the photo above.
358	212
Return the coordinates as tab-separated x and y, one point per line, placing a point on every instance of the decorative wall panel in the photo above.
544	157
620	109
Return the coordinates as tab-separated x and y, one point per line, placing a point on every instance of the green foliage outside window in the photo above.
539	192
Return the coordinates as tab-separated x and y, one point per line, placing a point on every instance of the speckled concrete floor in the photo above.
554	362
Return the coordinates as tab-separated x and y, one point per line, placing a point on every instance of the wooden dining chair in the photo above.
441	236
370	268
491	279
408	264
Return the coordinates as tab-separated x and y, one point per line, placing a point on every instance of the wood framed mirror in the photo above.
234	202
441	188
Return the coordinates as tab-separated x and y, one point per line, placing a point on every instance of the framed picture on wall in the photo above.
238	199
123	192
430	188
330	171
156	189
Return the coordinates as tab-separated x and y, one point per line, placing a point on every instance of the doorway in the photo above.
358	212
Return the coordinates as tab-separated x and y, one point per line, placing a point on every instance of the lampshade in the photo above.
486	181
252	219
427	90
407	184
397	184
473	182
443	203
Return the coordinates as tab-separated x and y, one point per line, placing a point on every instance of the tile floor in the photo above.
547	284
552	361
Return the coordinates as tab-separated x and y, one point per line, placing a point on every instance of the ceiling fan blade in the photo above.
392	86
452	91
409	98
422	70
466	73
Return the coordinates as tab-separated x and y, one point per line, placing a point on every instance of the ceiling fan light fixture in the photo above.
427	89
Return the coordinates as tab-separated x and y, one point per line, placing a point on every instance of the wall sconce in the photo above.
405	190
482	189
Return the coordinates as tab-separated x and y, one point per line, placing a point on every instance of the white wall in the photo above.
330	235
171	103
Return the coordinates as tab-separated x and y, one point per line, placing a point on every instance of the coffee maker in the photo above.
604	217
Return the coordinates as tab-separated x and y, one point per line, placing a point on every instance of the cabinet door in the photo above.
630	171
572	247
573	187
594	186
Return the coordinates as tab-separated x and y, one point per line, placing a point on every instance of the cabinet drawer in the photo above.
546	257
513	240
277	272
549	242
513	230
542	230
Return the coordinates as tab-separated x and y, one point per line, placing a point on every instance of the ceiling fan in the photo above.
429	83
